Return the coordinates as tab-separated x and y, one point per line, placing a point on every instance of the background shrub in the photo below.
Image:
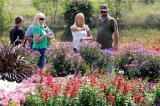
74	7
136	61
65	62
94	57
157	95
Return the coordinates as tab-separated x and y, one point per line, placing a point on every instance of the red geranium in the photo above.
111	98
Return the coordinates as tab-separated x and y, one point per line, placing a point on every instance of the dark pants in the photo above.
41	60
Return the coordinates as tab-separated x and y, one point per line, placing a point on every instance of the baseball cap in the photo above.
103	8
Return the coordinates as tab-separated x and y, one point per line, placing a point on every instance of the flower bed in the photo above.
107	90
83	88
65	62
15	93
137	61
92	91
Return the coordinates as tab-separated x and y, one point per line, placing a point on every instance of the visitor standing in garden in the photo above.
80	32
29	36
17	33
107	32
41	37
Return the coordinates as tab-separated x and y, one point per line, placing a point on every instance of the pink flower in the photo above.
4	102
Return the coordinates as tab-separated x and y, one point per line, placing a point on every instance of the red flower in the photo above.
45	95
48	81
52	85
133	85
139	80
66	90
57	88
120	85
127	87
111	98
138	97
157	49
113	82
73	94
92	80
140	87
119	78
103	86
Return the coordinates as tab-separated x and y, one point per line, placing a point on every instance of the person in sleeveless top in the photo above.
80	32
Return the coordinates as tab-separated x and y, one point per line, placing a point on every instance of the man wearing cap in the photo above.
107	32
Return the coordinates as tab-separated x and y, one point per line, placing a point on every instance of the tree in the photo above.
6	17
74	7
1	15
49	8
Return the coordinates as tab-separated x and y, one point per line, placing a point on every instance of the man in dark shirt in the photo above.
107	32
17	33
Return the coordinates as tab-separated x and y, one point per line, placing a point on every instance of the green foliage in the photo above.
151	68
33	100
74	7
62	100
136	61
60	63
134	19
5	18
89	96
94	57
65	62
157	95
53	10
1	14
45	6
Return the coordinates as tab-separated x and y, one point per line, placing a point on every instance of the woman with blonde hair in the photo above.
41	36
80	31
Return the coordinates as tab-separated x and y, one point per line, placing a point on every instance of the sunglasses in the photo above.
103	11
41	18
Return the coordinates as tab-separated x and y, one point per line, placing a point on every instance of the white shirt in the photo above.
78	35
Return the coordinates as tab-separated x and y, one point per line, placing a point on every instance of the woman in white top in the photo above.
80	31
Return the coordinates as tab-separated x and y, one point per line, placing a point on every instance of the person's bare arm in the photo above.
73	29
28	38
89	36
38	38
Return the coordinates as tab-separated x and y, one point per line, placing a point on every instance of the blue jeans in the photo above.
110	67
41	60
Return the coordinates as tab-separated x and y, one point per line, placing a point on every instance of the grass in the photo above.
141	14
147	37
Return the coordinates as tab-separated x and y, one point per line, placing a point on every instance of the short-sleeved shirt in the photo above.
16	33
41	32
105	29
29	33
77	35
